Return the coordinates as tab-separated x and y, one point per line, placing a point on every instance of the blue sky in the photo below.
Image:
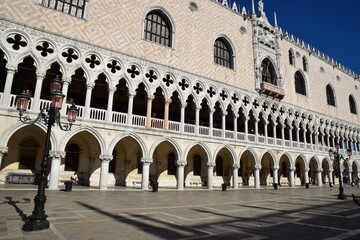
331	26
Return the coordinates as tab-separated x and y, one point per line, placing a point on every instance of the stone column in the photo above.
275	176
311	139
256	129
316	141
180	174
39	81
319	176
166	114
145	174
55	169
235	126
291	136
283	135
3	151
223	124
5	99
197	119
110	104
292	177
182	117
130	108
266	131
257	176
211	121
89	88
210	172
274	130
149	110
298	136
65	87
246	124
104	170
235	178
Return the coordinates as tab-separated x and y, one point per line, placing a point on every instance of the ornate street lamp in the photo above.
338	157
50	116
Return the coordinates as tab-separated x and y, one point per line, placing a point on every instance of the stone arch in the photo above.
204	147
20	59
275	162
133	135
88	129
229	149
10	131
166	139
253	154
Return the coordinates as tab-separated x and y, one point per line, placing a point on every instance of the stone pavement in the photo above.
120	213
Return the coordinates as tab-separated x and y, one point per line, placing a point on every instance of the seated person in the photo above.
75	178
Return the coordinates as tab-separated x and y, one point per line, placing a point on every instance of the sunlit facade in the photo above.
187	94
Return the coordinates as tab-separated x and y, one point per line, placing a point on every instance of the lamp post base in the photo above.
342	196
36	224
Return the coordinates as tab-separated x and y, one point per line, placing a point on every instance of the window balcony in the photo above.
271	90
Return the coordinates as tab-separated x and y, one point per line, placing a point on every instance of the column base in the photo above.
36	224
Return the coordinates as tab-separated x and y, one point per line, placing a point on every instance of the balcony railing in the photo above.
173	126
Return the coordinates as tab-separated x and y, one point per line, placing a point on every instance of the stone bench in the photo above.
20	178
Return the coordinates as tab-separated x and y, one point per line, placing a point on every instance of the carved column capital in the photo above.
236	165
57	154
11	68
146	161
112	89
90	85
210	164
181	163
105	158
3	150
150	97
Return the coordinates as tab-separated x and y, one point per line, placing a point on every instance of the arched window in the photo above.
330	96
72	157
158	28
223	54
171	164
219	166
268	72
197	165
300	84
352	105
305	64
291	57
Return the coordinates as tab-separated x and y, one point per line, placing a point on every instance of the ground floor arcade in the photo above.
123	158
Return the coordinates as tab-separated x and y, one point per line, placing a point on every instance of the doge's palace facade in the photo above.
188	94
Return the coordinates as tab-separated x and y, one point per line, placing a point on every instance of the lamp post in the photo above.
338	157
50	116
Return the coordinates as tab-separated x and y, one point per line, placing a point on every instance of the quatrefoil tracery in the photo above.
114	66
16	41
93	61
70	55
151	76
133	71
45	49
